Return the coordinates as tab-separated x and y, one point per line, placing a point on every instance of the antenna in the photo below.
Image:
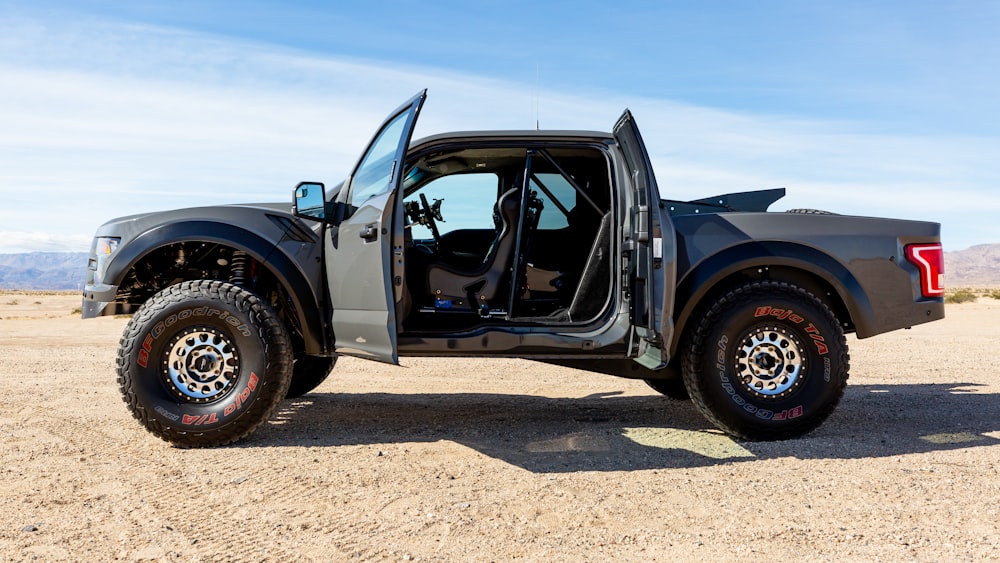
536	96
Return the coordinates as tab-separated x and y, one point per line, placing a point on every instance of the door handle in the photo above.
369	232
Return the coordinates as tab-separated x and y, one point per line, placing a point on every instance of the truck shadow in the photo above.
609	432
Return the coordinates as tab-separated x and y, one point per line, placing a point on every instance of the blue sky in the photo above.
113	108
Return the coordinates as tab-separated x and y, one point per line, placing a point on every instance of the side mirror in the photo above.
310	201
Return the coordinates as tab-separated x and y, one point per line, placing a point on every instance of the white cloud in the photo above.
17	241
102	120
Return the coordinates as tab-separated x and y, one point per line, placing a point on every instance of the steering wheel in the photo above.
432	214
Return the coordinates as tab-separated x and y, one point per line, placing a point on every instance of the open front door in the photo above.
651	249
358	247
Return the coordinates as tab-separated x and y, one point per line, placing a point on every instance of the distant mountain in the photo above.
43	270
975	266
972	267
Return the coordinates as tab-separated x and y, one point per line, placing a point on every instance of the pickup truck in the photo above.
555	246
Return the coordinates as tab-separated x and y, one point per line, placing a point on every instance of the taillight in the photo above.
929	258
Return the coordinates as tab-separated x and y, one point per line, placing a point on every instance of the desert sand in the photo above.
497	460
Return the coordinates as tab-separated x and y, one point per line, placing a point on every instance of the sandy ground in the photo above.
481	460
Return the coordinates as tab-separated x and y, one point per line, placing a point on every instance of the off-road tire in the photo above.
203	363
307	374
767	361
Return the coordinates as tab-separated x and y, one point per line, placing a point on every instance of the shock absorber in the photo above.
237	271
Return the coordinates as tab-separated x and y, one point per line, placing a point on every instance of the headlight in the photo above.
104	247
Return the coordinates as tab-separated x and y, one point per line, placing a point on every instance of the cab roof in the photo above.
526	134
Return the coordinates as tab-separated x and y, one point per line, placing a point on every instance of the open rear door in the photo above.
358	246
651	249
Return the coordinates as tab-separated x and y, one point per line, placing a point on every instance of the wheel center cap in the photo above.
204	363
765	361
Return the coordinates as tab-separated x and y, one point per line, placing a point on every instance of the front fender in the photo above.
301	280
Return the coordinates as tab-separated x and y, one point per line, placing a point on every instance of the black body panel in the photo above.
861	259
284	244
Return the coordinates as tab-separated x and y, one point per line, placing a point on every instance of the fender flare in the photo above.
711	273
287	271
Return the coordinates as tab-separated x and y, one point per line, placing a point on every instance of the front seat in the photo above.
451	285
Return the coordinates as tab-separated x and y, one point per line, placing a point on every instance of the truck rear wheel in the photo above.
768	361
203	363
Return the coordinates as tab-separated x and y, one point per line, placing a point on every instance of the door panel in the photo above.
652	248
359	246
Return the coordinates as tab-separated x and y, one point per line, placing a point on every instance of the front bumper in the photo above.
96	299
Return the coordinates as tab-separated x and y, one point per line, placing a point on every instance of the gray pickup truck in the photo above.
555	246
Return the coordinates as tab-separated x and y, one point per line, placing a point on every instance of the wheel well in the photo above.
809	281
192	260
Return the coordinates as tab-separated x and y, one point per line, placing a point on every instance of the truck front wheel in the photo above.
203	363
767	361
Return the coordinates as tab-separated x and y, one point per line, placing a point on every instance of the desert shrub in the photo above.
995	294
12	302
960	296
77	311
